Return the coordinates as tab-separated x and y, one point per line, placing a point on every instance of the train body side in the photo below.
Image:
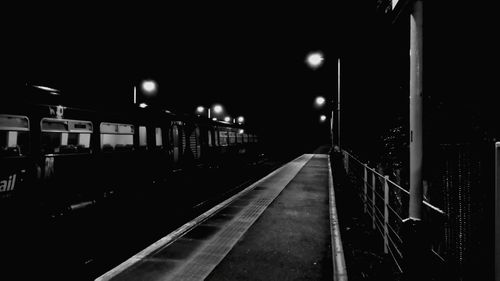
60	159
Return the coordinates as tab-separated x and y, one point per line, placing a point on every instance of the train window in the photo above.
223	138
14	135
158	137
245	137
14	123
143	140
117	137
239	137
232	137
65	136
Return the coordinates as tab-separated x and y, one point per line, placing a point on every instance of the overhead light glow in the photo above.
149	86
322	118
320	101
51	90
200	109
314	60
227	119
241	119
143	105
215	119
218	108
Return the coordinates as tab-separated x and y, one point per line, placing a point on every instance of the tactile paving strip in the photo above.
207	258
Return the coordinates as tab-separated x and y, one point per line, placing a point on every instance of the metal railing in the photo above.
387	204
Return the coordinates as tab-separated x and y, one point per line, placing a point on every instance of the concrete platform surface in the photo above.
280	228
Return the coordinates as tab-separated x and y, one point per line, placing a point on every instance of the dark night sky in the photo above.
250	59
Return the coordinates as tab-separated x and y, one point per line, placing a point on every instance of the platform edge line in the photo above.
338	260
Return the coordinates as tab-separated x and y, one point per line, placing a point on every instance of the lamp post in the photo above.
320	102
217	109
338	101
149	88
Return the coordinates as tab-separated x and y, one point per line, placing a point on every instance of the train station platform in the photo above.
282	227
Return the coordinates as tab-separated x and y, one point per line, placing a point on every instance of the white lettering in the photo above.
8	184
3	186
13	182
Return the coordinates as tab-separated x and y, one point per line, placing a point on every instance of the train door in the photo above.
175	141
116	165
161	154
194	143
209	135
143	161
66	161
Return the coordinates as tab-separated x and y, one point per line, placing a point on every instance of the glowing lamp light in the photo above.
314	60
322	118
217	108
241	131
149	86
241	119
51	91
143	105
215	119
200	109
320	101
227	119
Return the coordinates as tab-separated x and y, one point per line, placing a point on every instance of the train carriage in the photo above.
58	158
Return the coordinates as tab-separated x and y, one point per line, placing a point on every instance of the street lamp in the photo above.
217	109
241	119
227	119
200	109
148	88
320	102
314	59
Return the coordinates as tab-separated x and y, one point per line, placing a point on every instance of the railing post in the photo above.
366	188
373	199
386	215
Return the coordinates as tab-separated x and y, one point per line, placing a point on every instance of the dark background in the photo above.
251	59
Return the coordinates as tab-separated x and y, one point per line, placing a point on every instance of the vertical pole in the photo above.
416	99
338	101
366	187
332	132
373	198
497	211
209	113
386	215
135	95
